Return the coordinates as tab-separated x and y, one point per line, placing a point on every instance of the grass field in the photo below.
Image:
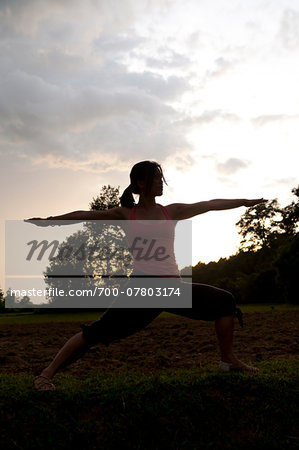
195	408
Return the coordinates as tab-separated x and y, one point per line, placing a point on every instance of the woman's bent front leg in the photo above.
73	349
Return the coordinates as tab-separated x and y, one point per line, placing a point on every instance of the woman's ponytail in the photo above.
127	198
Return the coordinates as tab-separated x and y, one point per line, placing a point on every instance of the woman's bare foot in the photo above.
236	365
43	383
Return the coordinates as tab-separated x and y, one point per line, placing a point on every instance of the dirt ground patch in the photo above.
171	342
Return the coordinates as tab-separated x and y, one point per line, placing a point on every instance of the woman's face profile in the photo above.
157	184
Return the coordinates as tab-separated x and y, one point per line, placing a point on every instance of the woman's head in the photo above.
144	175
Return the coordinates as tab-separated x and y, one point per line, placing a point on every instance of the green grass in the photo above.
186	409
34	317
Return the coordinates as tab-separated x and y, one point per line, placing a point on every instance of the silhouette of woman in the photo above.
208	302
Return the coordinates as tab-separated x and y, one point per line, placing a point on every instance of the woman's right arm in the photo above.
117	213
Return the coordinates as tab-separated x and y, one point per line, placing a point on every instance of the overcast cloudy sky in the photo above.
209	88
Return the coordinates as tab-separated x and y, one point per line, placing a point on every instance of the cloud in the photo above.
222	66
60	19
67	97
207	117
289	29
169	88
64	125
266	119
30	17
286	181
116	44
289	181
168	58
182	162
231	166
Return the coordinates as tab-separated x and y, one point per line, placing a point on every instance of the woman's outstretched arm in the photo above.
181	211
117	213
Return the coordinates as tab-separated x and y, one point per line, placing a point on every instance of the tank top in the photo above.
152	245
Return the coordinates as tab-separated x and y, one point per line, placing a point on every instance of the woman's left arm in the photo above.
181	211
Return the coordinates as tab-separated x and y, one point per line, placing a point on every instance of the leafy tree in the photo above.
25	302
259	225
2	301
107	199
90	259
10	299
290	216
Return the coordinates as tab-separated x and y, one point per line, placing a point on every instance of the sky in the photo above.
208	88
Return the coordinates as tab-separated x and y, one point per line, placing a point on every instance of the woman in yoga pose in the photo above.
208	302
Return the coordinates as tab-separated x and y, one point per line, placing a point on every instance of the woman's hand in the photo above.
257	201
40	222
118	213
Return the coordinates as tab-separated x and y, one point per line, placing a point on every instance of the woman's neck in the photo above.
146	202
